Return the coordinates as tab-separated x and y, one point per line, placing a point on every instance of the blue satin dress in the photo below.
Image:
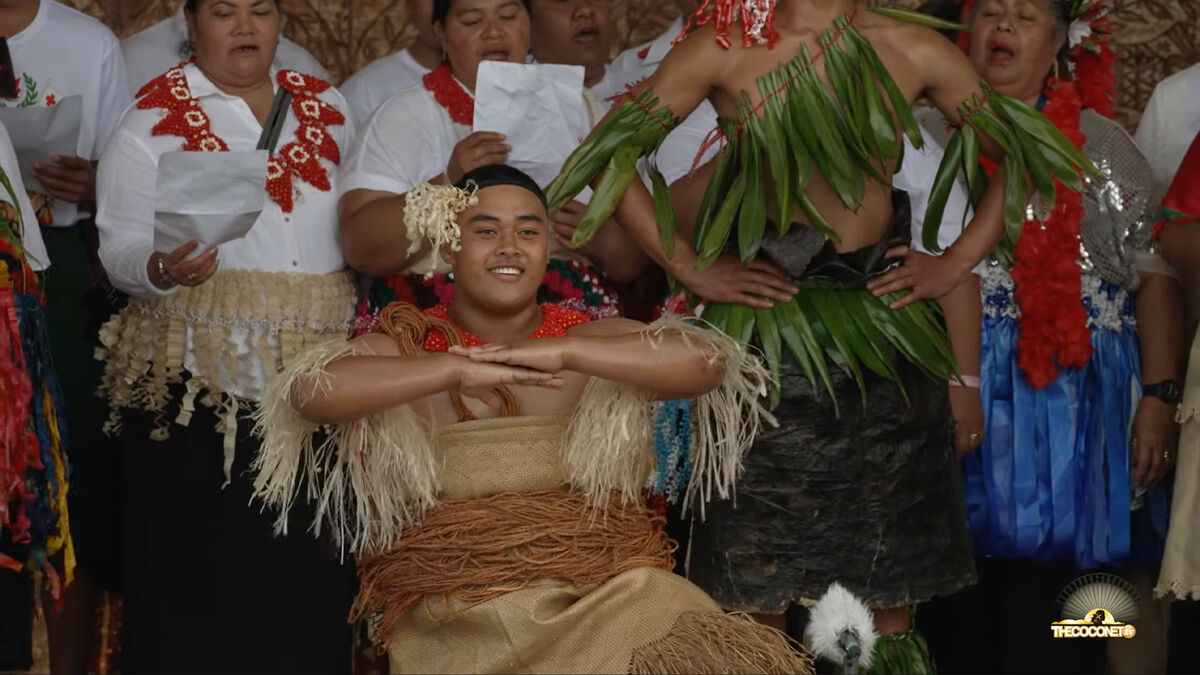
1052	480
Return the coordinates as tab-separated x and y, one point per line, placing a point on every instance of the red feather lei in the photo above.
1046	272
450	95
299	159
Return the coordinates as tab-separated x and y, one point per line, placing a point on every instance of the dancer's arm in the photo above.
682	81
357	386
950	81
665	363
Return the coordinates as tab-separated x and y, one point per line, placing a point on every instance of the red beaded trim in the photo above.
450	95
556	319
298	159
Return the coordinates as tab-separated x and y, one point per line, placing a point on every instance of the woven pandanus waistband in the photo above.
477	549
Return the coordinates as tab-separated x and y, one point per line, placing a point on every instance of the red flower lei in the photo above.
450	95
185	117
556	319
1046	271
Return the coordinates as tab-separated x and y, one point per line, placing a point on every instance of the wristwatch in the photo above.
1167	390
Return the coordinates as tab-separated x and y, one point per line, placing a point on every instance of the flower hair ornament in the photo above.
431	215
1089	56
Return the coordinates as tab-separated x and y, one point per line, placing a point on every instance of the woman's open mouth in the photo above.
1000	52
495	55
586	35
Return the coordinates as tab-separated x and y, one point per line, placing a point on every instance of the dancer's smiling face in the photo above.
1014	44
505	245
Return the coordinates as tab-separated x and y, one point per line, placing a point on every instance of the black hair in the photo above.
501	174
441	9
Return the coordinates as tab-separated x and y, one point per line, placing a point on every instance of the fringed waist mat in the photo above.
474	550
231	334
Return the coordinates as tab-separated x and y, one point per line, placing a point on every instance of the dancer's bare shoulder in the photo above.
921	61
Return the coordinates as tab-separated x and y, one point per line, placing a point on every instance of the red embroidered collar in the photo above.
556	319
299	159
451	95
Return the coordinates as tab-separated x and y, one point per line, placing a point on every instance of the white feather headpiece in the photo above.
431	215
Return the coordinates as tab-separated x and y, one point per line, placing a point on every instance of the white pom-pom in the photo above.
837	612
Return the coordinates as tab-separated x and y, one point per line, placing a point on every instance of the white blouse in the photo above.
303	241
1170	122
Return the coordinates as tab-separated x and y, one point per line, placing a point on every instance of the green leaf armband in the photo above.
1033	148
635	130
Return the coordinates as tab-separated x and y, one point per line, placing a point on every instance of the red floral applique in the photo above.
451	95
643	52
298	159
555	322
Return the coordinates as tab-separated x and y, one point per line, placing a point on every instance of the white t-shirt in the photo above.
643	60
917	169
1170	122
367	89
151	51
64	52
31	234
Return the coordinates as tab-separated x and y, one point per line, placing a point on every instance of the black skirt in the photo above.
871	498
208	586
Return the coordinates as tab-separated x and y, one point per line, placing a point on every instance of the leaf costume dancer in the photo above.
486	463
797	222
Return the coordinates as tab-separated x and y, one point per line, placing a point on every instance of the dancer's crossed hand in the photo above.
543	356
480	379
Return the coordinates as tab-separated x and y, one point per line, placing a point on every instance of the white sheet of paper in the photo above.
209	197
40	133
538	107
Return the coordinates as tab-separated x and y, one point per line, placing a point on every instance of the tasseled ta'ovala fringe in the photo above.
713	642
373	477
610	446
369	478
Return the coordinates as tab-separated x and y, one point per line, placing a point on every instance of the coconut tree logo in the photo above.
1097	605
